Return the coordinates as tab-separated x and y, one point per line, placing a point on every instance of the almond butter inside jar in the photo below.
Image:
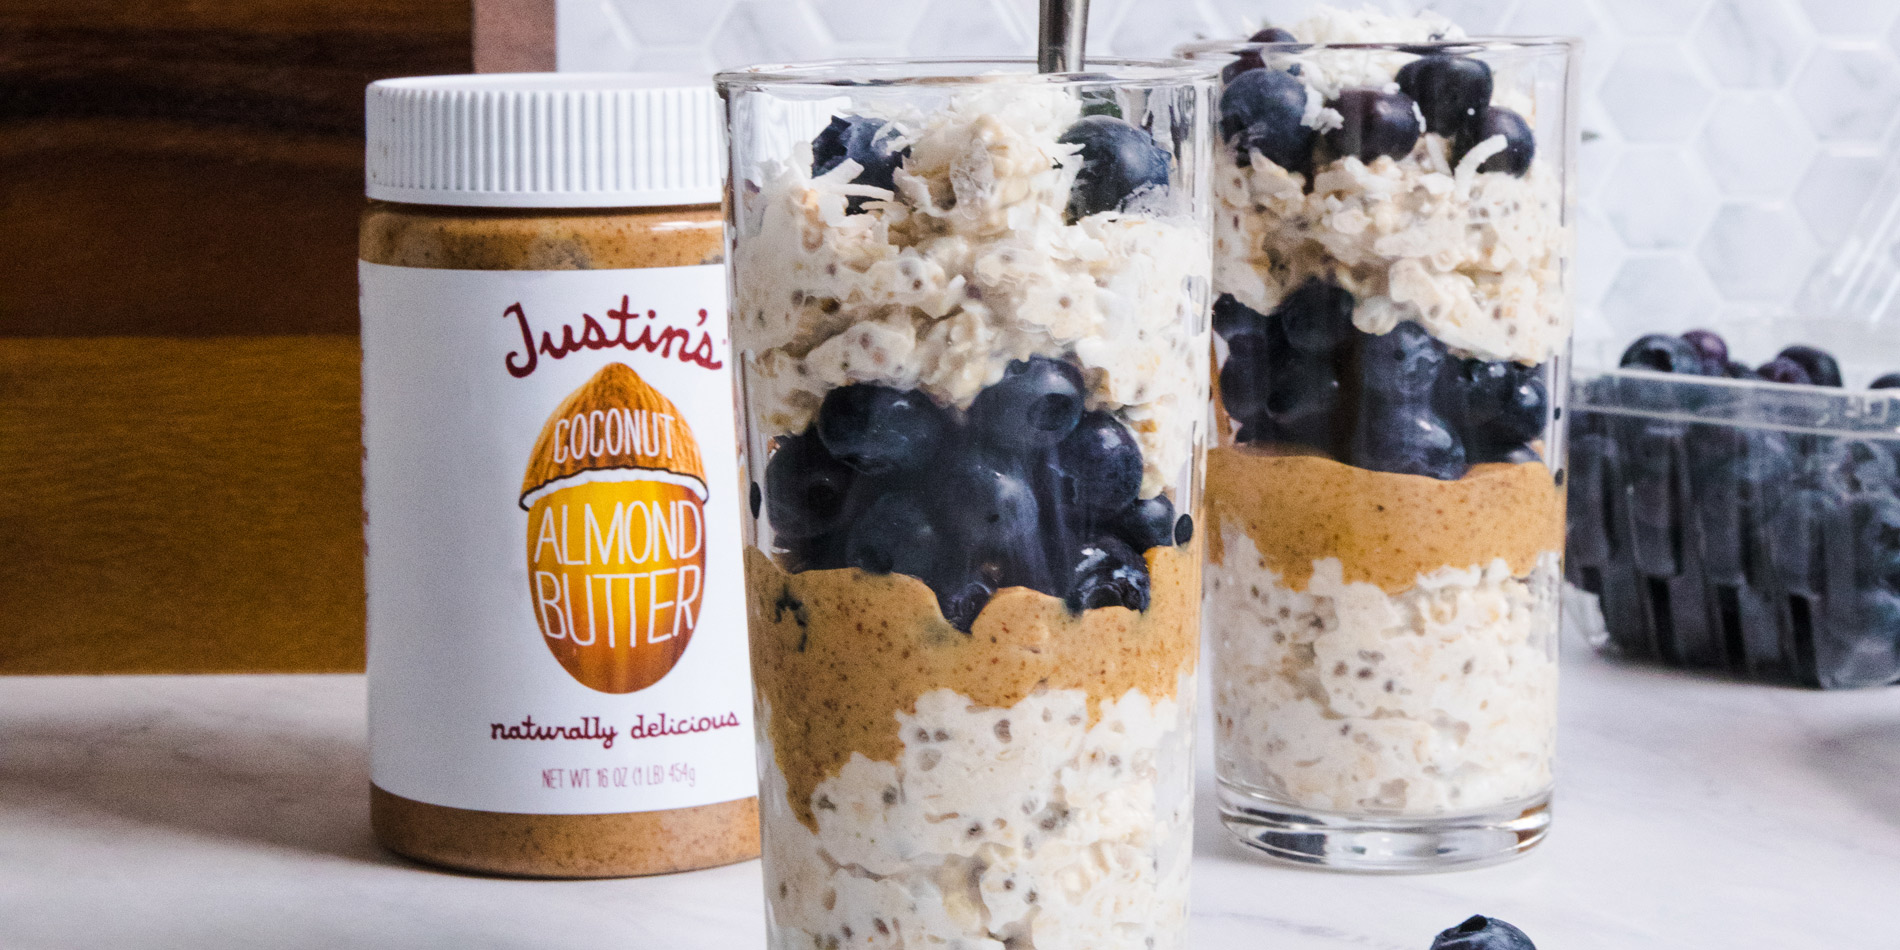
544	374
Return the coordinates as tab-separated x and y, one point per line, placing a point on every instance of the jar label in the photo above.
582	419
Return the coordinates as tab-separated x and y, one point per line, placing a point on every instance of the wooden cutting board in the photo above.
179	425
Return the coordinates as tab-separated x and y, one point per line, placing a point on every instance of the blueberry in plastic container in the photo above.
869	142
1663	353
1118	160
1452	92
1262	110
1781	369
1035	405
1889	381
1822	369
1483	933
1713	348
1373	123
876	429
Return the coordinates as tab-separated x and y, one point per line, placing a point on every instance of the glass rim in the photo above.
1200	48
960	70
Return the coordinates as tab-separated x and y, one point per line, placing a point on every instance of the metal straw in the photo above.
1064	31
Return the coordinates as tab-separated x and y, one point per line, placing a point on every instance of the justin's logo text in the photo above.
649	335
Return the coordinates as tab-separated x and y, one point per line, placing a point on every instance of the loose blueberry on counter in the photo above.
1713	348
1244	385
1483	933
876	429
865	141
1519	145
1317	317
1784	370
1821	368
896	534
1118	160
1889	381
1374	123
1148	523
1099	466
1260	111
805	487
1108	573
1663	353
1035	405
1452	93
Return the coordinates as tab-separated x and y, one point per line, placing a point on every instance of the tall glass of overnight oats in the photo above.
970	340
1384	512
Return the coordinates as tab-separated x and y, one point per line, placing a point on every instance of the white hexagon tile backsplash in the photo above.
1730	145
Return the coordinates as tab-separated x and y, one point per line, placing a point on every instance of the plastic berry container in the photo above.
1739	526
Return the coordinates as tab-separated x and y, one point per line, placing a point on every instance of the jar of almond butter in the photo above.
558	680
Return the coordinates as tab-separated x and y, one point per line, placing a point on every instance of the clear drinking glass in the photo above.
970	339
1385	517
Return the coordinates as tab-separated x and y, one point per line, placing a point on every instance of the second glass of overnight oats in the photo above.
970	338
1384	509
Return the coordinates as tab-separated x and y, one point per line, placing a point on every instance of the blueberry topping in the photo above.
1821	368
1035	405
1184	529
1781	369
1483	933
1713	348
1272	34
869	142
1148	523
1663	353
1316	318
1374	123
1099	465
1108	573
1243	378
875	429
1452	92
1260	111
805	487
1118	160
1519	145
1234	319
896	534
1889	381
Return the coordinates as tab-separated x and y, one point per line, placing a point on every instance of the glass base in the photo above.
1382	845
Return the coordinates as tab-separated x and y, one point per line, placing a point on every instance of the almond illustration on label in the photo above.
616	500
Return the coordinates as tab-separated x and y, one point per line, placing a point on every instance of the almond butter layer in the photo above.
1385	529
839	653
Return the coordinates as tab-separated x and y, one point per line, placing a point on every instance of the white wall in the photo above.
1729	144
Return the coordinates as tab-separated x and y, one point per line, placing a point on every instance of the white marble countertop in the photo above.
232	812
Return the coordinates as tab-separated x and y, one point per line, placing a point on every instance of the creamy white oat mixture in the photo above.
1474	258
1437	700
974	267
1020	827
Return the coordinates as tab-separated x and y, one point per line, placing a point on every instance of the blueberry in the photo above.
1118	160
1877	541
1889	381
1251	59
756	499
1784	370
1302	399
1663	353
1402	364
1519	145
1821	368
1148	523
1234	319
962	600
1035	405
1407	440
805	487
1100	465
869	142
876	429
896	534
1373	123
1452	93
1243	378
1272	34
1184	529
1108	573
1317	317
1736	370
992	519
1713	348
1507	401
1852	466
1260	111
1483	933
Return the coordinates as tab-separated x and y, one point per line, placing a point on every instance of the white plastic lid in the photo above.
544	140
